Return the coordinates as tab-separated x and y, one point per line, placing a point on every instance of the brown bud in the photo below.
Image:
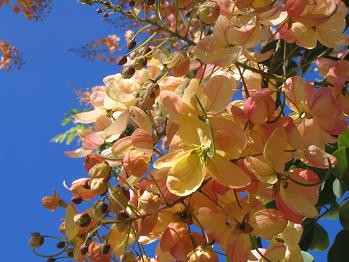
82	220
101	170
76	200
122	60
208	12
99	186
51	202
101	208
132	44
179	64
51	259
83	249
61	244
131	3
150	2
36	240
139	62
146	50
105	248
127	72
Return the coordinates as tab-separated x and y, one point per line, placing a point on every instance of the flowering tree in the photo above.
32	10
224	135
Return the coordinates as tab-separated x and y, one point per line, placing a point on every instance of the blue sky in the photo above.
33	101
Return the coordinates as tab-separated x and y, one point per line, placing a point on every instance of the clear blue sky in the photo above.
33	101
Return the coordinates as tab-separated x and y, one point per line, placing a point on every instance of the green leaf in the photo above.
326	195
343	139
320	239
69	135
333	213
342	168
339	249
338	188
344	215
307	257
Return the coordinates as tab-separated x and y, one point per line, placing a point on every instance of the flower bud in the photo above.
61	244
105	248
135	163
95	252
81	188
101	170
76	200
36	240
91	160
149	202
148	95
127	72
208	12
122	60
132	44
131	3
82	220
51	259
179	64
101	208
99	186
139	62
203	254
260	107
146	50
51	202
83	249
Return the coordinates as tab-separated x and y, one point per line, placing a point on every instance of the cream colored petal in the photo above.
186	175
226	173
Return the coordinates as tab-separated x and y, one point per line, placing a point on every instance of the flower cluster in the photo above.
9	56
32	9
212	137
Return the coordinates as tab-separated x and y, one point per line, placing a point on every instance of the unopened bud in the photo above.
146	50
99	186
101	170
36	240
76	200
101	208
179	64
105	248
132	44
208	12
82	220
61	244
127	72
50	202
139	62
83	249
122	60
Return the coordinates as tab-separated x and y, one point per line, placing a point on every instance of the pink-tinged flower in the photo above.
322	21
319	105
260	107
296	201
135	163
80	188
295	7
